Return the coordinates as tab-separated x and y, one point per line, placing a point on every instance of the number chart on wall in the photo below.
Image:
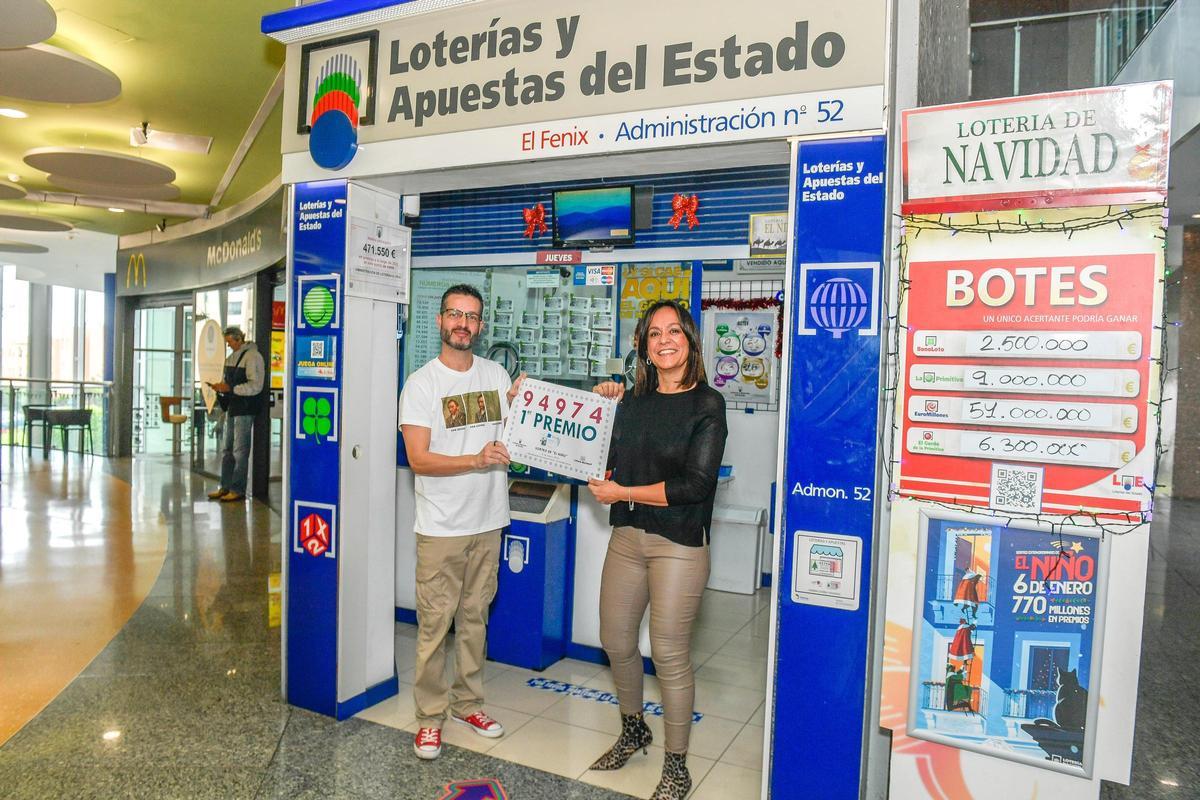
1030	371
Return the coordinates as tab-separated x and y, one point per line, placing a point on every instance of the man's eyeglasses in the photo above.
455	315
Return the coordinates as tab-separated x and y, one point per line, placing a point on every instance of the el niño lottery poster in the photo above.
1008	632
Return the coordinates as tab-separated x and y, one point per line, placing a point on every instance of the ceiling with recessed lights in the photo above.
81	77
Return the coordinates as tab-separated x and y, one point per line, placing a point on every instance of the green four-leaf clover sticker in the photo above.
316	420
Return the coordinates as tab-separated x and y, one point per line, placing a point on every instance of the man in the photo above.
240	395
461	506
462	503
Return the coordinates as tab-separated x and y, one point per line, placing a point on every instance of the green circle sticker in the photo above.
317	306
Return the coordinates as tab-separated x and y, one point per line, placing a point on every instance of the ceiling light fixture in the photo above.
116	210
1194	216
111	735
13	113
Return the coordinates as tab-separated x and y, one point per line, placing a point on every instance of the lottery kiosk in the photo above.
576	170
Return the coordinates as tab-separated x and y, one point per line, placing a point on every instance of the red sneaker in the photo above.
428	743
482	724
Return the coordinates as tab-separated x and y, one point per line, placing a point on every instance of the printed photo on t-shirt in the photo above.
483	406
454	411
472	408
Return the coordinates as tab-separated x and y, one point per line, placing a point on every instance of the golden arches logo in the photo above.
136	269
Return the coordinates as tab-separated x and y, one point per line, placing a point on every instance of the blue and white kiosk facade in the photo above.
440	132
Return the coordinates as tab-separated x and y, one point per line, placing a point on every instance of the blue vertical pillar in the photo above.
832	399
311	523
339	519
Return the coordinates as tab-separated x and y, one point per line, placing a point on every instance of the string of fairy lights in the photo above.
1025	222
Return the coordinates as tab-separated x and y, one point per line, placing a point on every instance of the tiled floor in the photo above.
563	733
183	702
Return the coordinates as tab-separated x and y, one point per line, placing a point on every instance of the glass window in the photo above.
14	325
62	333
93	336
240	310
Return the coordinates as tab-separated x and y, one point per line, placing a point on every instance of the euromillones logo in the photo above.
337	96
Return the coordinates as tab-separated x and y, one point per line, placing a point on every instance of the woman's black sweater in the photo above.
676	438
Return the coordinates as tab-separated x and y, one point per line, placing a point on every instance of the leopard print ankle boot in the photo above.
635	734
676	780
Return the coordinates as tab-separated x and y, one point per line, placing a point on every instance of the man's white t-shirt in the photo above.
463	411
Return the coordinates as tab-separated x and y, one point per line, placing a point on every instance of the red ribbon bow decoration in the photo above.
681	204
535	219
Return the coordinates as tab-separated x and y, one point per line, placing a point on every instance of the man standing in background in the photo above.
240	394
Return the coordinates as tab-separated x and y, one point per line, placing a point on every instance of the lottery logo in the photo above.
337	90
314	529
839	305
729	343
318	306
839	297
314	534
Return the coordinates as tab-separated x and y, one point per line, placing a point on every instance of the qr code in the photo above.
1017	488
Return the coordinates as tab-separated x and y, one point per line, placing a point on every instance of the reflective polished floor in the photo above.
179	697
77	557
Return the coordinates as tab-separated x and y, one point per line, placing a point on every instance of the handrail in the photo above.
58	380
999	23
82	392
1118	34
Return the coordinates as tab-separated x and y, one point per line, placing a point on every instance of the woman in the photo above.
667	443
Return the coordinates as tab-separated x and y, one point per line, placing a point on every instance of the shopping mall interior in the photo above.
304	183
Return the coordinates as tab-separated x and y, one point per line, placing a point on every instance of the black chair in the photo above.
35	415
80	419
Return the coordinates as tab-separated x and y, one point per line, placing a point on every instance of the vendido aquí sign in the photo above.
1064	148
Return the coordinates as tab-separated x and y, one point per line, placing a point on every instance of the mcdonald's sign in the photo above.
135	270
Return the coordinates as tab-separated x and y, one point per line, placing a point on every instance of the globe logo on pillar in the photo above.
839	298
314	534
839	305
337	96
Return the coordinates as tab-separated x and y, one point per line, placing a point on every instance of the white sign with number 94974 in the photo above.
561	430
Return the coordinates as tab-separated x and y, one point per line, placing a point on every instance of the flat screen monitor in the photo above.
591	217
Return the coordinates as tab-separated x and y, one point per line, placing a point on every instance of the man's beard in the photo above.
448	338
